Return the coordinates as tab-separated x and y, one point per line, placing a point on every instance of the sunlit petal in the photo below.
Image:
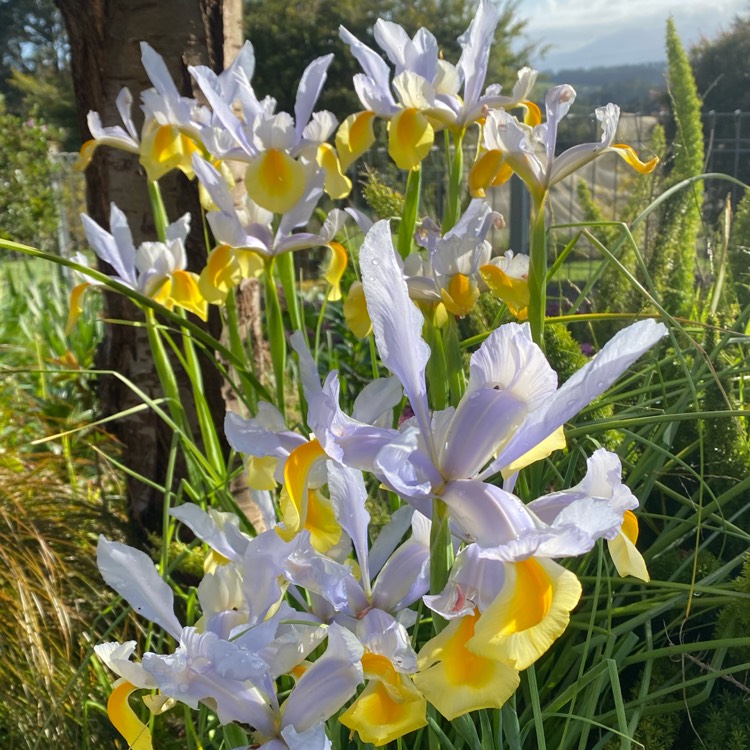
275	181
530	613
125	720
456	680
186	293
627	559
410	138
336	267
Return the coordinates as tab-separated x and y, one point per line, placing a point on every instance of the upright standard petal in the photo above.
349	495
476	42
132	574
396	321
308	91
580	390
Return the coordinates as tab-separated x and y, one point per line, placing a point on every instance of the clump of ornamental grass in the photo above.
52	599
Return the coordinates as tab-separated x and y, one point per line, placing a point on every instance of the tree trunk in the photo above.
105	56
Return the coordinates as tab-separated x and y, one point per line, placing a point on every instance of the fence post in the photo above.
520	215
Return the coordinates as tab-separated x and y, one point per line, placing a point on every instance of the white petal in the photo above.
396	320
132	574
581	389
308	91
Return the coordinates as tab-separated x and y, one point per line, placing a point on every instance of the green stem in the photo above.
454	361
277	339
441	554
285	269
164	370
206	423
455	180
411	207
158	210
437	370
538	272
238	349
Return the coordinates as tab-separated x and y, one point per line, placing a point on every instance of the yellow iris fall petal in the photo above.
410	138
336	267
303	508
629	154
337	184
555	441
76	306
355	311
456	680
125	720
388	708
85	155
186	293
487	171
165	148
528	615
354	136
627	559
275	181
514	292
221	274
461	295
378	718
260	472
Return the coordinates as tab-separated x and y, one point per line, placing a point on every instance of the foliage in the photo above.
56	496
739	250
722	74
721	69
380	197
674	256
34	65
27	195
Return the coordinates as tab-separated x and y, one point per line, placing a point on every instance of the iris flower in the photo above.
456	258
155	269
510	145
174	125
511	414
227	663
246	237
283	153
426	87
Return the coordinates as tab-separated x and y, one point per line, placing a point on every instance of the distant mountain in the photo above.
636	88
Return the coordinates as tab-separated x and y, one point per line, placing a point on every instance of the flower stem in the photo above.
285	268
159	211
238	349
441	554
411	207
455	180
276	337
538	272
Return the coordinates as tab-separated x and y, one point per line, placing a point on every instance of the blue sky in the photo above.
587	33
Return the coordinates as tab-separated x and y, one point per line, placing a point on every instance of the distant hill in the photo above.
636	88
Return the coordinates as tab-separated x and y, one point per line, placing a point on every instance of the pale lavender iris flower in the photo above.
511	405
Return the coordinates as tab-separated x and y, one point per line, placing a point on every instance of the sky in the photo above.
589	33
